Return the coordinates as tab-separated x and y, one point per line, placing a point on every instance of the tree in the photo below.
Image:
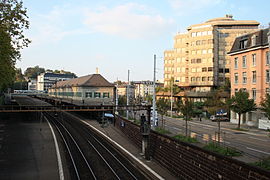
13	21
266	106
33	72
185	106
214	102
163	106
240	103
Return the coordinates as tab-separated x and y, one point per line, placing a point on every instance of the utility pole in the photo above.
154	94
171	96
127	94
116	98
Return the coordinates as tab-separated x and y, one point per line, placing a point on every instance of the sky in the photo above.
117	36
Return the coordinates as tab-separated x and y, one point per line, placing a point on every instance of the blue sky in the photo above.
80	35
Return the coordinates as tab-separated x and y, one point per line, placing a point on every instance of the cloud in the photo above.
55	25
129	20
184	6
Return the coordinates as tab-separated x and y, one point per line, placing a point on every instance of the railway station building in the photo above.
92	89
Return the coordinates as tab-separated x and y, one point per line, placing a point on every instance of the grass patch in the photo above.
265	163
226	151
177	116
185	138
162	130
239	129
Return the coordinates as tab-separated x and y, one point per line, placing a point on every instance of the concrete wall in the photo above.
187	161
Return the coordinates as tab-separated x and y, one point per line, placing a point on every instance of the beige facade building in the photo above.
199	59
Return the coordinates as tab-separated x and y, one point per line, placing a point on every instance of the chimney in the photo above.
97	70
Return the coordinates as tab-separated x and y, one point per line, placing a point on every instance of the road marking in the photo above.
126	151
60	166
258	150
258	139
206	128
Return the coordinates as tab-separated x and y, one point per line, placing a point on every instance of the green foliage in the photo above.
226	151
214	102
265	163
186	138
266	106
162	130
21	85
186	107
240	103
122	100
33	72
163	106
13	21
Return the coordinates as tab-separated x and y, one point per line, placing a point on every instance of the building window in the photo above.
193	79
267	76
267	91
267	58
254	77
235	90
88	94
204	69
235	78
106	95
203	78
253	59
210	69
97	95
244	63
254	93
210	78
236	63
244	77
253	40
198	79
243	44
244	89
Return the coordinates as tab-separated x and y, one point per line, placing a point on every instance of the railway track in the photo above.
89	156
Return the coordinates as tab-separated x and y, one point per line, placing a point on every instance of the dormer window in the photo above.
243	44
253	40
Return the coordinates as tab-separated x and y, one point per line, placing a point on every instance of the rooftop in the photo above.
92	80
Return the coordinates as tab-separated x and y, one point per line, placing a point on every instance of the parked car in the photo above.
219	118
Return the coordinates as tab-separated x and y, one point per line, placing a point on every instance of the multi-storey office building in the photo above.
199	59
250	69
48	79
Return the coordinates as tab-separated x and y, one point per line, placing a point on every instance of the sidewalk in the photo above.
116	135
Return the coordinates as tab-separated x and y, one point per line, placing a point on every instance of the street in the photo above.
254	143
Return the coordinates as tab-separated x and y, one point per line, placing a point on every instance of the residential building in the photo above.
144	88
47	80
199	61
32	84
91	89
250	70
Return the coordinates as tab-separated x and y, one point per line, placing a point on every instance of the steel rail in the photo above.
78	148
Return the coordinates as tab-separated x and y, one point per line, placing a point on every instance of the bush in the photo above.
162	131
186	138
226	151
265	163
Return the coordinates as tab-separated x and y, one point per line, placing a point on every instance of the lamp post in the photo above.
171	96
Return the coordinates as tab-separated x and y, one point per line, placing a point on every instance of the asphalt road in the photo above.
254	143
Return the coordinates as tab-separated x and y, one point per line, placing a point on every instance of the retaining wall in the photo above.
187	161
